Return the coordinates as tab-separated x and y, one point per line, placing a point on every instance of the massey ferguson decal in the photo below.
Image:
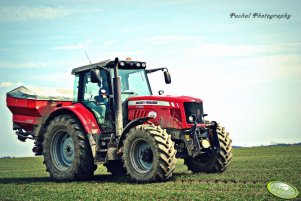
149	102
146	102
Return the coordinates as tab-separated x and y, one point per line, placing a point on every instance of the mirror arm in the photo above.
156	69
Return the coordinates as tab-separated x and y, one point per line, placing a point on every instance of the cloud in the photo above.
135	55
246	71
218	50
55	76
228	68
7	64
61	80
109	43
22	13
74	46
227	50
168	39
10	84
55	80
196	46
239	74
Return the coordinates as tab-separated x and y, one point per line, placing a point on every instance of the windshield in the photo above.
134	82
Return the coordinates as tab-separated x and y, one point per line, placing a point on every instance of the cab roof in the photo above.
123	64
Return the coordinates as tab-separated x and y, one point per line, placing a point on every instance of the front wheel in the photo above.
67	154
149	154
209	163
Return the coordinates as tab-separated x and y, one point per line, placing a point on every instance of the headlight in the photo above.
192	119
205	143
152	114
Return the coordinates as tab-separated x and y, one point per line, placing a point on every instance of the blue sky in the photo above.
247	71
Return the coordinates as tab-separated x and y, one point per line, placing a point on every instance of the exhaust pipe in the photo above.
117	100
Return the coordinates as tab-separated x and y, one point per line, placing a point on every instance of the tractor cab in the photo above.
93	86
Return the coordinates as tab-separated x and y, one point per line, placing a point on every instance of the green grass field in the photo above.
246	179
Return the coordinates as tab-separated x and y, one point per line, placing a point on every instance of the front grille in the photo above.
196	109
140	113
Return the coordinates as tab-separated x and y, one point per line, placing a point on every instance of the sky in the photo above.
247	70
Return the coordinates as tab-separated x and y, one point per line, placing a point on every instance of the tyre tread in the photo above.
164	147
83	166
218	164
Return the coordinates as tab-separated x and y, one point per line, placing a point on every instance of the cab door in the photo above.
95	96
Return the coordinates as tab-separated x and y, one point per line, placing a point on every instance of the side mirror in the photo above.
203	118
95	76
167	77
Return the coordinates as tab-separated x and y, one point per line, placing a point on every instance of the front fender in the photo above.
84	115
130	125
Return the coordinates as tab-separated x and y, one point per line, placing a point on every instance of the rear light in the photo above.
176	113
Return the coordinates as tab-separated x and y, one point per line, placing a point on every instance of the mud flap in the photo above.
92	143
112	154
214	138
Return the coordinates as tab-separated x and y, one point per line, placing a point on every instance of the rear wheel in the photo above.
209	163
149	154
67	154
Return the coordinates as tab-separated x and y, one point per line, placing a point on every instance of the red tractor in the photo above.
114	119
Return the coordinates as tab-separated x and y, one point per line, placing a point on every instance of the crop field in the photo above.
246	179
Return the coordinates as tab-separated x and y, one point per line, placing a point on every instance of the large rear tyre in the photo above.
149	154
67	154
207	162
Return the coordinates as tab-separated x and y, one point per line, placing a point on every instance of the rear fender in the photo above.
84	115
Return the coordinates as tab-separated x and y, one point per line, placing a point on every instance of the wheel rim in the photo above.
62	150
141	156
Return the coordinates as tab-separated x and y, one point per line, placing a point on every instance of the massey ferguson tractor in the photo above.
115	120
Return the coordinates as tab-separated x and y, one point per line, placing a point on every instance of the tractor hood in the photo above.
167	111
161	100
